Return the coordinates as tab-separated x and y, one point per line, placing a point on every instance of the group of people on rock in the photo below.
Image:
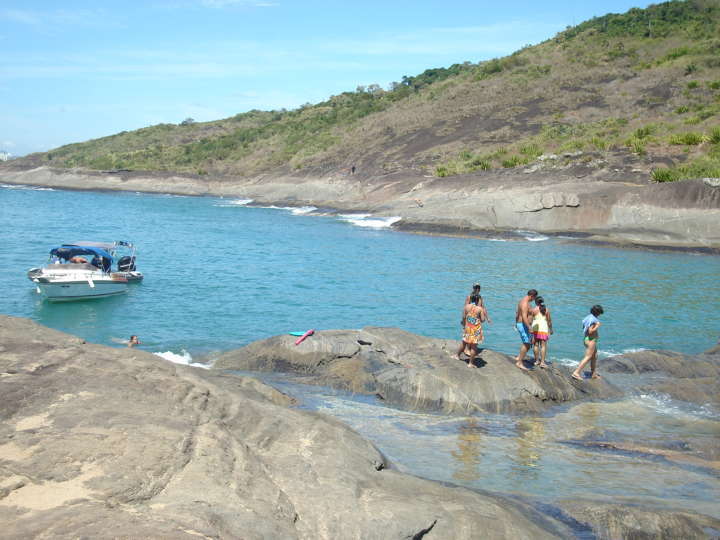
534	324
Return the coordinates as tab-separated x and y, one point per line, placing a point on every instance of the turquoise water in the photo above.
541	457
220	274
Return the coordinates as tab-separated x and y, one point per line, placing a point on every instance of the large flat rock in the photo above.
415	372
97	442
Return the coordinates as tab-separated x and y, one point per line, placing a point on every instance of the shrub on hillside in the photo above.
531	150
512	161
690	138
636	145
479	164
715	135
664	175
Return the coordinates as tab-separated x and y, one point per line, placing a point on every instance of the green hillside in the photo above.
644	83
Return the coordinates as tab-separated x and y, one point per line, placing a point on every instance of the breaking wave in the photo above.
183	358
368	221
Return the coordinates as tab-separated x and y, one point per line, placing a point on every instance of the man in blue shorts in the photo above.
522	323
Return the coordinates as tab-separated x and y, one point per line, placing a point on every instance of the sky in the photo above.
77	70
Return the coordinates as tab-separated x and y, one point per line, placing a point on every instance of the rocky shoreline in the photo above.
96	440
575	203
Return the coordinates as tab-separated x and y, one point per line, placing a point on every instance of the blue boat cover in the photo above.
67	252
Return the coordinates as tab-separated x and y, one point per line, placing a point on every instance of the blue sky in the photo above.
72	71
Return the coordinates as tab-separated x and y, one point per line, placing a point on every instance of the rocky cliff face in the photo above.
621	208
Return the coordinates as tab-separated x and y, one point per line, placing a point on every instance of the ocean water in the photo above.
544	458
220	274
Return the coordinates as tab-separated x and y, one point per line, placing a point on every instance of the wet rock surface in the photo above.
99	442
691	378
610	521
415	372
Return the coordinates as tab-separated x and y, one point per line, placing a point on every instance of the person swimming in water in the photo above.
590	324
133	341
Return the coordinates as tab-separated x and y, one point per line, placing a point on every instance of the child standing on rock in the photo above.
590	324
542	328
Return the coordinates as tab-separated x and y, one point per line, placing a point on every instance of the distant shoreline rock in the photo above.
617	211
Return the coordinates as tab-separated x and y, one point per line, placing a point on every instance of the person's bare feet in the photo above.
576	376
543	365
595	376
520	366
472	365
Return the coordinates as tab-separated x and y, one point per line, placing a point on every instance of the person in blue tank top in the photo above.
590	325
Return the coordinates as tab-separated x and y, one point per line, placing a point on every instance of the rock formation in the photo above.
691	378
415	372
618	207
98	442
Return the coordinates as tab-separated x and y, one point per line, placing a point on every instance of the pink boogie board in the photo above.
302	338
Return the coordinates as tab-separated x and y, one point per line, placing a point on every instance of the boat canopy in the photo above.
107	246
68	252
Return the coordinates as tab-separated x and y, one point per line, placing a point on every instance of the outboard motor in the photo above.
126	264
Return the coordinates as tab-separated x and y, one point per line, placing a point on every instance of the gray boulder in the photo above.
611	521
691	378
97	442
415	372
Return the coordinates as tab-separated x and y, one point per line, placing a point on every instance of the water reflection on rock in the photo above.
468	454
634	451
530	445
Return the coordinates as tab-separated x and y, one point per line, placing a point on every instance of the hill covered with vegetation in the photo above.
645	83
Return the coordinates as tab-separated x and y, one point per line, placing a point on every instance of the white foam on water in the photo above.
610	353
571	362
496	240
366	220
303	210
532	236
23	186
183	358
233	202
665	404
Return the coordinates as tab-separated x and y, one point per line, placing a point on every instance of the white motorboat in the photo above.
85	270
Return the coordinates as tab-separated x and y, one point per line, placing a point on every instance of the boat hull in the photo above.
63	286
79	290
